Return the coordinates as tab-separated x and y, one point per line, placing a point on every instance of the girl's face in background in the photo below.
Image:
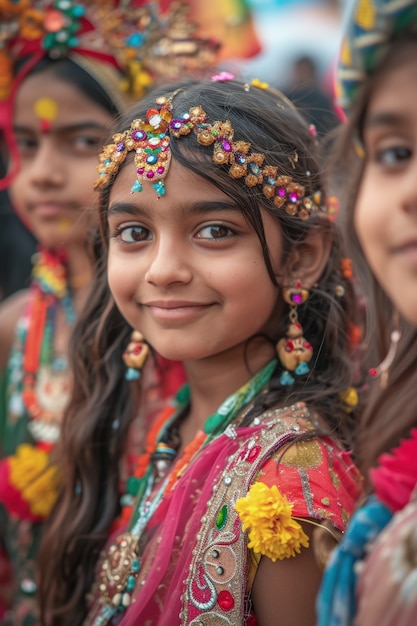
59	132
386	209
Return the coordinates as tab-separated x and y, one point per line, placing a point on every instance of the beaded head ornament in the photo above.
150	139
372	24
125	45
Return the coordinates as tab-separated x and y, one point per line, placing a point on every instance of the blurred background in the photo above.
290	44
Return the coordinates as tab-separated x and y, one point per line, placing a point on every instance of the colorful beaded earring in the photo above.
293	350
135	355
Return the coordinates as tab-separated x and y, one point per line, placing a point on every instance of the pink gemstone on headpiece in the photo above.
281	192
160	169
150	174
227	147
293	197
140	170
297	298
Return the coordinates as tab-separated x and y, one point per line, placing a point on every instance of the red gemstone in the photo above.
307	345
373	372
137	350
225	600
253	453
289	346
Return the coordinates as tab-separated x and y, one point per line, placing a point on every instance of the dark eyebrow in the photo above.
70	128
385	118
125	208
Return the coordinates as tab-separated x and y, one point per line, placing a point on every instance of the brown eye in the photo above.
215	231
134	234
394	155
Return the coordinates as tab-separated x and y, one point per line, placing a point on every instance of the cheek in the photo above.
122	278
365	224
16	191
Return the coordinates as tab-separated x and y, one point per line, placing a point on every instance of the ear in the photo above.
307	260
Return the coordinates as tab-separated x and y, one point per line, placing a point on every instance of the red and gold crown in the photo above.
134	37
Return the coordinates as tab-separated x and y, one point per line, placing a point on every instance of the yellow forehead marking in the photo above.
46	109
64	225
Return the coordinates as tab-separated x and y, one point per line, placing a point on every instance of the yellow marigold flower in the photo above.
273	532
36	479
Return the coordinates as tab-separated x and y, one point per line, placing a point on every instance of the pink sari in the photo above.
195	562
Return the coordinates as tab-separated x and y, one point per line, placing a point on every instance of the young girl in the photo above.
69	64
374	584
218	251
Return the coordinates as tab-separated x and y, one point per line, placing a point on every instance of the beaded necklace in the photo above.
121	566
50	292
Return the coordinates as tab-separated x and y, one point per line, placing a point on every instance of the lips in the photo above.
175	310
173	304
49	209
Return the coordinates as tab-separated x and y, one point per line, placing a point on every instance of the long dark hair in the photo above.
91	447
390	412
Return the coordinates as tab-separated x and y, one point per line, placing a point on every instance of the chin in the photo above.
174	352
52	239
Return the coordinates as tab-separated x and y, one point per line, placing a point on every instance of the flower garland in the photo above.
273	532
28	479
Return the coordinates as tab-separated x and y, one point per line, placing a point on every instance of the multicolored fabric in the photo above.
387	588
194	555
394	480
371	25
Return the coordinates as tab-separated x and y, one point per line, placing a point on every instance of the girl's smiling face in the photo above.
386	209
187	269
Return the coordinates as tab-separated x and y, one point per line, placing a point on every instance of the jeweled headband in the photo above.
151	139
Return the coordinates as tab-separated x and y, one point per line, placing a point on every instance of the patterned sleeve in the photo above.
317	477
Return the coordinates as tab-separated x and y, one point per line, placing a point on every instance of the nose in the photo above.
169	263
46	168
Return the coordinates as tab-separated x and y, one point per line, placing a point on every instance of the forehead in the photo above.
182	187
59	101
397	79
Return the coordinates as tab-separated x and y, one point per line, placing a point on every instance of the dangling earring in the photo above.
293	350
382	370
135	355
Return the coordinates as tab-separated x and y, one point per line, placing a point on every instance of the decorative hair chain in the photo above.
150	139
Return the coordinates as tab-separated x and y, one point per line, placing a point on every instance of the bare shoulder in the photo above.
10	311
